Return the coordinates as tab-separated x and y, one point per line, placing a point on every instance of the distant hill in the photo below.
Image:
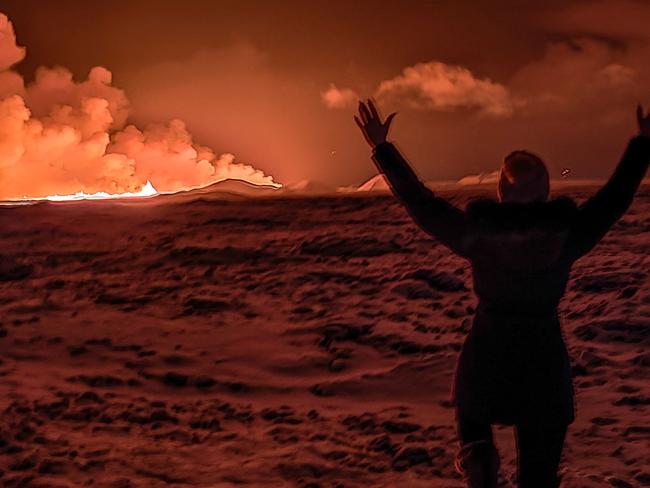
234	187
480	179
308	187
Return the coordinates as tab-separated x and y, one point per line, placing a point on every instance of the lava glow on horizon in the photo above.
147	191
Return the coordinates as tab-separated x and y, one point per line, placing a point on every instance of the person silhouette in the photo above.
513	367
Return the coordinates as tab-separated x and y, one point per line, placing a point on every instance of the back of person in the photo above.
514	366
519	253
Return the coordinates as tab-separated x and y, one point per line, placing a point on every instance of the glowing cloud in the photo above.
335	97
438	86
10	53
63	137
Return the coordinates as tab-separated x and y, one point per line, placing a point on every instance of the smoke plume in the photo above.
60	136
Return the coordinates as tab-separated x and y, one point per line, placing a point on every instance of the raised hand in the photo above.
644	122
369	121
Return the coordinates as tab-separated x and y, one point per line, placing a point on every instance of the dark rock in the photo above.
201	306
204	382
52	466
175	379
10	270
382	444
410	456
633	400
400	427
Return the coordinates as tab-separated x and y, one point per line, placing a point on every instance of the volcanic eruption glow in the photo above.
147	191
61	139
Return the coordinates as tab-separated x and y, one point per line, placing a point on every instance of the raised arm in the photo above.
433	214
599	213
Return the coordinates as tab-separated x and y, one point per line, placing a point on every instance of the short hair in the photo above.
523	178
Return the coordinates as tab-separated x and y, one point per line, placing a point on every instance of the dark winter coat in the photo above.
514	363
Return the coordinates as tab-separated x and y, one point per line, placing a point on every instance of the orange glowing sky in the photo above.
275	82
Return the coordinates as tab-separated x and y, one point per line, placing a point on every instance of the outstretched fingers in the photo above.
373	110
369	121
364	112
359	123
375	114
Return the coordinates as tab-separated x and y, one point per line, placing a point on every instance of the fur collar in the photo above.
556	214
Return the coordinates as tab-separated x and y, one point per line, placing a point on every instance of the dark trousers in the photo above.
539	447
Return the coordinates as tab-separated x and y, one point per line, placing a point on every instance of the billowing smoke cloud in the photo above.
439	86
434	86
10	52
59	136
335	97
186	164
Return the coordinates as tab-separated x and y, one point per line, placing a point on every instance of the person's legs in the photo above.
470	430
478	459
539	447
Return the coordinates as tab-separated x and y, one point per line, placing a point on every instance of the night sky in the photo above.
276	82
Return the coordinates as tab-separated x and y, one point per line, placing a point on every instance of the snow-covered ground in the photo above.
199	340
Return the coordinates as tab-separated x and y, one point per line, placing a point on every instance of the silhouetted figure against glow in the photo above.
514	367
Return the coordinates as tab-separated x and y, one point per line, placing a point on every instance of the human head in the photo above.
523	178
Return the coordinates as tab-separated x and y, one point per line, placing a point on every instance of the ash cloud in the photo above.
60	136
